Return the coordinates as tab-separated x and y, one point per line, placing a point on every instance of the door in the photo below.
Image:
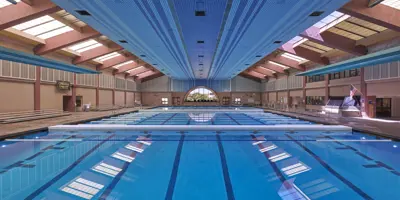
383	107
67	103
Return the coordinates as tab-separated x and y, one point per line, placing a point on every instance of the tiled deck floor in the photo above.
13	129
387	128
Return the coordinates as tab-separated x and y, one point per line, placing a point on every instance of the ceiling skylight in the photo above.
43	27
122	64
108	56
294	57
4	3
392	3
129	71
277	64
85	46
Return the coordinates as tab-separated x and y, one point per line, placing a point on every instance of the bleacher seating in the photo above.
13	117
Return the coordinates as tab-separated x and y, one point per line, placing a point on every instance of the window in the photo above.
164	101
345	74
315	100
316	78
238	101
201	94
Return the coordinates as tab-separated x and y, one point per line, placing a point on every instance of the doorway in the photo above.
383	107
68	104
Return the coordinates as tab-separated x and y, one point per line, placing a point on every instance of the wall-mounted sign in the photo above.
63	85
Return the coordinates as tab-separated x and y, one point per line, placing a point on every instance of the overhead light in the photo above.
277	42
316	13
258	56
200	41
201	56
154	64
83	12
142	55
123	41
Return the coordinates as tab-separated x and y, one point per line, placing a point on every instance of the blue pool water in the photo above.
199	164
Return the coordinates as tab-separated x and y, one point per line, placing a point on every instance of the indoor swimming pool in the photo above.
193	164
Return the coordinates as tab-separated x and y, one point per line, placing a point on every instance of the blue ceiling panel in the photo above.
236	33
253	26
200	28
148	27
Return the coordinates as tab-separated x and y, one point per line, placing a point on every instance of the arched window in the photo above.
201	94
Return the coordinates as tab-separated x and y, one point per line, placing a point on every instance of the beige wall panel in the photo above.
387	89
138	97
119	98
154	98
105	97
314	107
88	95
16	96
130	98
282	95
296	93
51	97
345	81
246	96
272	97
318	84
315	92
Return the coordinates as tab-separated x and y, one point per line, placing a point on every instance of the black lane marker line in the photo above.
364	156
384	165
174	173
232	119
278	172
372	166
117	178
65	171
332	171
172	116
225	170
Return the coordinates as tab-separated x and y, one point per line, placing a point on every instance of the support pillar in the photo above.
113	92
304	91
36	91
326	88
73	101
125	97
98	91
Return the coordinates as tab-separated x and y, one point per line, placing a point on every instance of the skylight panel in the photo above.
55	32
392	3
46	27
4	3
293	57
108	56
33	23
85	46
122	64
131	70
277	64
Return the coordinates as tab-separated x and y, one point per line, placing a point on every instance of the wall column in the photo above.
98	91
36	90
364	96
113	91
73	101
326	88
304	91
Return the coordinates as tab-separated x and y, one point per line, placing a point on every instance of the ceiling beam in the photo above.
145	74
305	53
115	61
139	71
273	67
22	12
95	53
66	39
255	74
151	77
128	67
249	77
333	40
380	14
263	71
287	62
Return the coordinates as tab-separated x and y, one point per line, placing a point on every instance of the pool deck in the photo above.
20	128
384	128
